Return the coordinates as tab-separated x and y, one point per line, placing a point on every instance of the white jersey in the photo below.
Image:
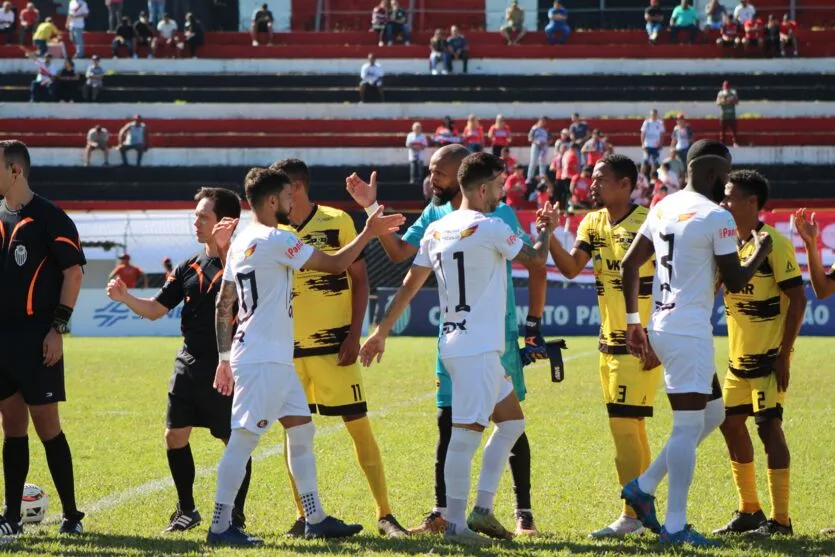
261	263
468	252
653	131
688	230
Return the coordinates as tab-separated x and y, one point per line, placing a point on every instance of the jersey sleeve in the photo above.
506	241
347	233
583	241
784	264
508	216
415	233
172	292
723	232
422	258
64	242
289	249
647	228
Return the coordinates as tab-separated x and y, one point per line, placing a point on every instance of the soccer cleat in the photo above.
525	525
181	521
686	536
533	350
485	522
643	504
8	528
433	523
233	536
297	529
331	528
622	527
71	524
390	528
772	528
465	536
238	519
742	522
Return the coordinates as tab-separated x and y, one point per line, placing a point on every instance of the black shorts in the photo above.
262	27
22	368
192	401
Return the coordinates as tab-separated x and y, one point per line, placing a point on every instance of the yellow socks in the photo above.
778	488
368	456
631	451
746	486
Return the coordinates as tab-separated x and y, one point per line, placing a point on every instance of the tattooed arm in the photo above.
224	307
538	254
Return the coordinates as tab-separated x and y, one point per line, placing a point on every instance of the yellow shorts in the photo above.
331	390
628	390
756	397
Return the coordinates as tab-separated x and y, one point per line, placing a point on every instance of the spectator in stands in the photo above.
682	138
155	10
557	23
446	133
499	134
515	187
788	38
508	159
95	80
437	52
581	190
753	34
714	15
685	18
427	189
642	194
672	165
514	22
44	34
544	192
538	136
668	177
578	131
114	11
133	137
564	137
660	194
167	29
43	86
398	24
593	149
379	21
416	143
7	23
67	83
744	12
27	21
97	139
652	136
726	100
371	79
76	16
772	36
655	20
569	165
729	33
168	266
144	34
130	274
457	48
195	35
473	135
125	38
262	22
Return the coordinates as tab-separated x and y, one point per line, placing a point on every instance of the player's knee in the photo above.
732	426
46	421
15	416
512	429
770	430
300	438
176	438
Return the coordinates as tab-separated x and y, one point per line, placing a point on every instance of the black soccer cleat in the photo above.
297	529
9	528
390	528
331	528
238	519
181	521
71	524
233	537
742	522
772	528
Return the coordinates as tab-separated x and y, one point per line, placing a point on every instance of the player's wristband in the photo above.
224	356
371	208
633	318
61	318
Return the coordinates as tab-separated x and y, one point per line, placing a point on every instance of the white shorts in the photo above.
263	394
688	362
478	383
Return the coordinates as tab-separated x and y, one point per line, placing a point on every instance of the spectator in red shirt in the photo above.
380	20
446	133
729	32
753	33
594	149
515	187
499	134
788	38
509	160
474	135
662	193
129	273
580	187
544	192
29	18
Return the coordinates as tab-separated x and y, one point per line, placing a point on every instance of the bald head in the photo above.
443	172
449	154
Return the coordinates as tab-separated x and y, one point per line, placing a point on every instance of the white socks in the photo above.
459	459
681	461
494	460
303	468
714	416
230	475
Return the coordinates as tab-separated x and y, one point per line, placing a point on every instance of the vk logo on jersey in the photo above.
451	327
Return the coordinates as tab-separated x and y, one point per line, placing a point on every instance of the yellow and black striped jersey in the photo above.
757	314
607	243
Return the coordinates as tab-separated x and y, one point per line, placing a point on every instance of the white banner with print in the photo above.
96	315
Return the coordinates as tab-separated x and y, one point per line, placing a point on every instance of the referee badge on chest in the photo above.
20	255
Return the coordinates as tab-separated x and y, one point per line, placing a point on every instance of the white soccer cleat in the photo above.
622	527
465	536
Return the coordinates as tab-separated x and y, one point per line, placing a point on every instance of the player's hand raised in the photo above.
548	215
116	289
364	193
374	346
222	232
379	224
763	242
807	227
224	381
636	341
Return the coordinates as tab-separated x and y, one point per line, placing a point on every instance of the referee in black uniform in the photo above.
192	400
40	280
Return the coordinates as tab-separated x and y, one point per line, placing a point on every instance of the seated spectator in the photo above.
67	83
655	20
7	23
125	38
508	159
729	33
685	18
772	36
674	167
594	149
788	38
437	51
753	33
515	187
446	133
714	15
371	79
416	143
578	131
564	138
398	24
97	141
44	34
144	34
167	29
133	137
28	21
457	49
581	190
661	194
195	35
514	22
95	80
379	21
668	177
43	86
473	135
744	12
499	134
262	23
557	23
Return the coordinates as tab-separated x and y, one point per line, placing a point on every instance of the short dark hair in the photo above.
752	183
226	202
707	147
477	168
296	169
260	183
622	167
15	151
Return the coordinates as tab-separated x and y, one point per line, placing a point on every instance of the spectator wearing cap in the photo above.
788	36
125	38
97	139
194	34
684	18
166	36
557	23
44	34
499	135
652	137
655	20
538	137
371	79
43	86
682	138
379	21
580	189
7	22
729	33
726	100
437	52
398	24
130	274
515	187
457	49
144	34
76	15
594	149
114	13
133	137
473	135
714	15
744	12
416	144
262	23
508	160
95	80
514	22
168	266
27	21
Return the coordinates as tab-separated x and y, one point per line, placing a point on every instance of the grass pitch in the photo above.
115	419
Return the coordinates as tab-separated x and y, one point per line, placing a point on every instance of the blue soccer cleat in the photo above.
643	504
331	528
533	350
686	536
233	536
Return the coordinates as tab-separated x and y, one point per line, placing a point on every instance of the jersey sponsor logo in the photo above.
454	234
613	265
250	250
727	232
469	231
684	217
262	424
20	255
789	267
294	250
450	327
512	239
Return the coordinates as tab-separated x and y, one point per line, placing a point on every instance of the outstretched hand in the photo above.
364	193
379	224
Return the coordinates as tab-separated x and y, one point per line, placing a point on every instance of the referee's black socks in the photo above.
181	464
15	470
59	459
520	469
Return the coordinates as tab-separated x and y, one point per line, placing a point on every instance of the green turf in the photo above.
115	419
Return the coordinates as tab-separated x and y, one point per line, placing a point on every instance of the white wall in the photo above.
494	13
281	10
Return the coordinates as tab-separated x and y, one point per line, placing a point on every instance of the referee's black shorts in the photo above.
193	401
21	364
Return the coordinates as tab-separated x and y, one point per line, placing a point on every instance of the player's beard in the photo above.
444	197
282	217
